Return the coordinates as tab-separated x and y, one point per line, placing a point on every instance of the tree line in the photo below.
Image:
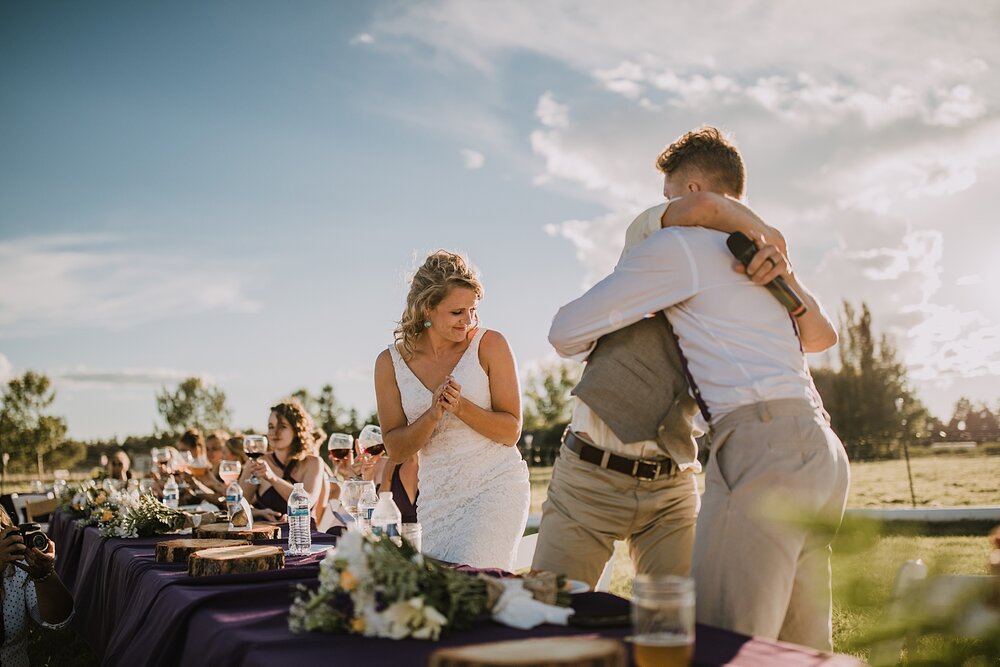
871	404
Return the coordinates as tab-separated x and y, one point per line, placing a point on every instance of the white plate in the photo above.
577	586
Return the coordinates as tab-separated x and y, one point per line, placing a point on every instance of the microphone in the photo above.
744	249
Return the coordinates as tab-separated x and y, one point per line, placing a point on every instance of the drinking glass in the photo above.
255	447
229	471
161	458
662	621
370	440
339	447
145	485
350	496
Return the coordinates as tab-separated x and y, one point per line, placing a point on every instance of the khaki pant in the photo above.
588	508
775	490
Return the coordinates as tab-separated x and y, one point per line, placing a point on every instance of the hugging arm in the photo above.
714	211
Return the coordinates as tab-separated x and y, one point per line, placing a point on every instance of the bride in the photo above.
448	391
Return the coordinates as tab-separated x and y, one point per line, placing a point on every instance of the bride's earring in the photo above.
427	324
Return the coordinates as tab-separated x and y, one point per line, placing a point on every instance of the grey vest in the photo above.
635	383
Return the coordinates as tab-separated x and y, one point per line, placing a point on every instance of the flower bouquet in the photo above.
376	588
141	516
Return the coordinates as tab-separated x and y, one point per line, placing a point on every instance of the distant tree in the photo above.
973	421
193	403
547	399
27	432
869	400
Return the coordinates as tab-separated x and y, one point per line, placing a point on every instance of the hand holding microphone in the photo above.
744	250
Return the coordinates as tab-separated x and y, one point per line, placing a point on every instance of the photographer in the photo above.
31	587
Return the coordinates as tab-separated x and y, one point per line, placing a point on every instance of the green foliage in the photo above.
973	422
547	400
870	403
27	432
193	403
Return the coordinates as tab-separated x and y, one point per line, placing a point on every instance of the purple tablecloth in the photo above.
135	611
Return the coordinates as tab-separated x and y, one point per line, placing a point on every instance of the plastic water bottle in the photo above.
386	519
234	494
170	493
366	506
299	533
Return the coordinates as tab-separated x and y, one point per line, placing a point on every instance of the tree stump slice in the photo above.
220	531
235	560
548	652
178	551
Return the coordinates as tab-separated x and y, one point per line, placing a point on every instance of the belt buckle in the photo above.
655	465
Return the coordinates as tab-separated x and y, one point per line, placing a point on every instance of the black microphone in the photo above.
744	249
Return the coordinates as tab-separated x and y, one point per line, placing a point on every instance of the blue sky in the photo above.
238	190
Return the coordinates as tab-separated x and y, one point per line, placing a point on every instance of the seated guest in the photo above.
119	466
215	445
192	441
31	589
401	479
292	458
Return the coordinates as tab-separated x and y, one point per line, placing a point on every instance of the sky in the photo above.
239	190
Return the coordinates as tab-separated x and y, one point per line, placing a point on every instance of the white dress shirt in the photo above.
740	343
586	420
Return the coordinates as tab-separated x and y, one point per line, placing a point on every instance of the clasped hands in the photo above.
38	564
448	397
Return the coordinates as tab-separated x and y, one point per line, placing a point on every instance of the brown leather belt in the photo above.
645	470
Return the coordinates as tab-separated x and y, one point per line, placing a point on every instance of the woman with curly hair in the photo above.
448	392
292	458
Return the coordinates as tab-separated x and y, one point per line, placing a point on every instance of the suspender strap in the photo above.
687	372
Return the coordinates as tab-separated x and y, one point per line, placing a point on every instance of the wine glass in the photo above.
229	471
255	447
339	447
161	457
370	440
350	496
145	485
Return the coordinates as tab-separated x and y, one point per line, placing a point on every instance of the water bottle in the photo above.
170	493
386	518
234	494
366	506
299	533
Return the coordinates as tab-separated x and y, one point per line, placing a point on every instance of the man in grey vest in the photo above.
773	456
627	464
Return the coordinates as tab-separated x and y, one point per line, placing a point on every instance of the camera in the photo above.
33	536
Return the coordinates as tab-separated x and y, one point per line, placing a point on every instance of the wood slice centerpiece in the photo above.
548	652
220	531
178	551
235	560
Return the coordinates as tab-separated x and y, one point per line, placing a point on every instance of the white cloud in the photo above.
60	282
550	113
85	377
866	128
472	159
363	38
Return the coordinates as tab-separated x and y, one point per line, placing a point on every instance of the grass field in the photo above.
863	577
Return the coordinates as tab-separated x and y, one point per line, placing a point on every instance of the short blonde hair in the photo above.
707	150
440	273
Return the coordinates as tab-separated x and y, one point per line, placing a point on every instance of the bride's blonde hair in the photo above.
440	272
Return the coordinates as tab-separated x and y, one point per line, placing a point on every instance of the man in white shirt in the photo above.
771	442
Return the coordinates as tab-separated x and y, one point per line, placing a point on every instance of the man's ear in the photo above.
694	186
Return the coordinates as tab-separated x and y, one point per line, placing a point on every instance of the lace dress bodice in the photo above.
474	491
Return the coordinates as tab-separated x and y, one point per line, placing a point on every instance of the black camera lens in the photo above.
33	536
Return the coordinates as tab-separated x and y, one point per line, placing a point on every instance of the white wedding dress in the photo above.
474	492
